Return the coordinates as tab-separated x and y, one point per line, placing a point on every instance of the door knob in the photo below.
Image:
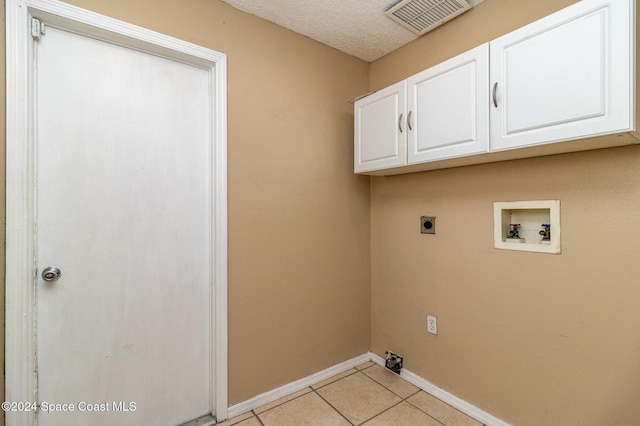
51	273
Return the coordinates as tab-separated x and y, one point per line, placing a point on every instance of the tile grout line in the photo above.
331	405
257	417
422	411
283	402
429	414
400	396
357	370
311	389
416	392
375	381
337	380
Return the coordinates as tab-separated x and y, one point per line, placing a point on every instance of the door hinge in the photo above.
37	29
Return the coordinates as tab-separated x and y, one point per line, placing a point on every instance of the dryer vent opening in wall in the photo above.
393	362
421	16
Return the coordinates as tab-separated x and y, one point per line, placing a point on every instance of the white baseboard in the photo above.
294	387
460	404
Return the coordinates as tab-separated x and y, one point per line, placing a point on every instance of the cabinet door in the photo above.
566	76
380	129
449	108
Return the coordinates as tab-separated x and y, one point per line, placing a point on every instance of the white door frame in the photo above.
20	347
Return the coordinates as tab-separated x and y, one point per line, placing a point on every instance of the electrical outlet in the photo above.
428	224
432	324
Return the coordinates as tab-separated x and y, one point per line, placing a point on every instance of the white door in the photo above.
380	129
123	202
449	108
563	77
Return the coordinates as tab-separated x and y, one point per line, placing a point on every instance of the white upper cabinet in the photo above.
440	113
563	83
448	108
566	76
380	129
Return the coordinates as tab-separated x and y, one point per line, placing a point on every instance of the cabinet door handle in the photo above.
400	123
409	120
495	99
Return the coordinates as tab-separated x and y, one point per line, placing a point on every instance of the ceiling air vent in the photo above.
421	16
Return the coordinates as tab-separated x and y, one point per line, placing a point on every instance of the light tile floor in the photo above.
368	395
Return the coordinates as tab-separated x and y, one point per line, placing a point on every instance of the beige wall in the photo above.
299	285
534	339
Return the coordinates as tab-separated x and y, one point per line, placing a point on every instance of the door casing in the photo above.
20	278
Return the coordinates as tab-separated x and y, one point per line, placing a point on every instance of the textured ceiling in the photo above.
356	27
